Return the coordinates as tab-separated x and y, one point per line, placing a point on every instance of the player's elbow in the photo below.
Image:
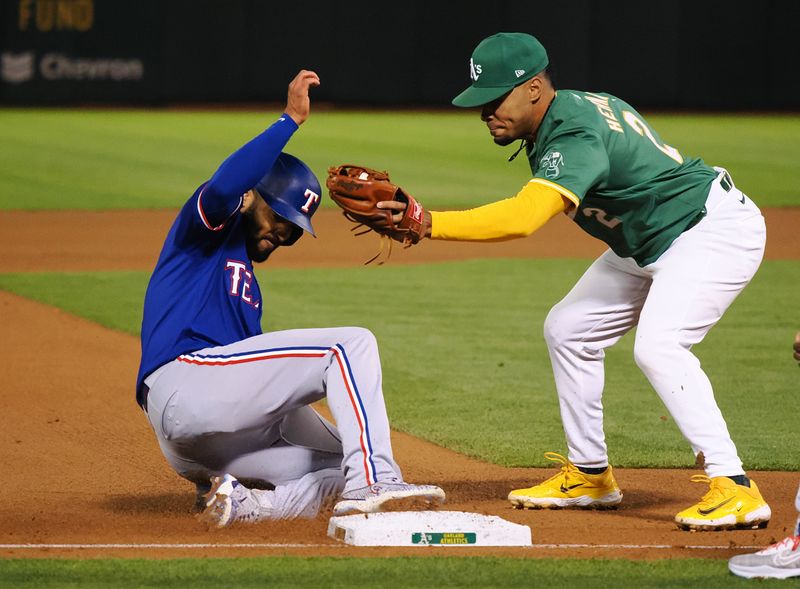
218	188
516	234
523	228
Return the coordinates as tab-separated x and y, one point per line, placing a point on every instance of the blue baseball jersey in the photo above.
203	291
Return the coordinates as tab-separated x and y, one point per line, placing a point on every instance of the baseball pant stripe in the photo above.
205	362
358	408
242	357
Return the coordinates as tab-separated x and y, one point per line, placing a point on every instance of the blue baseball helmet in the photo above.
292	190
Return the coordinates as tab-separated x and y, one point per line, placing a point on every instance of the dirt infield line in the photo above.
38	241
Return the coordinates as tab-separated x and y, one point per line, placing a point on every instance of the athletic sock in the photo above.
741	479
586	470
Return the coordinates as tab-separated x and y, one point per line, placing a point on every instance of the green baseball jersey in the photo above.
631	190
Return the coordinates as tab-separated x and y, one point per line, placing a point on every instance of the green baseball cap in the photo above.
499	63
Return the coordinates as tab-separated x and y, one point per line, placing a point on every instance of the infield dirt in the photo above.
81	465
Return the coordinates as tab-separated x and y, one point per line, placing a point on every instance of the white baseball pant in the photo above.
673	302
243	409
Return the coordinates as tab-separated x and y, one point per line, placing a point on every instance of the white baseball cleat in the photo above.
389	496
230	501
779	561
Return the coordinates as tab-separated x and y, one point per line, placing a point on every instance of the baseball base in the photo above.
427	528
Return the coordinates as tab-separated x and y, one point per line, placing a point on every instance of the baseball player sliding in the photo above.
684	242
227	401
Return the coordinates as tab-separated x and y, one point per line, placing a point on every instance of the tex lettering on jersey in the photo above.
240	282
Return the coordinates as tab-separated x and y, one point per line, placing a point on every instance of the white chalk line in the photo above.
271	546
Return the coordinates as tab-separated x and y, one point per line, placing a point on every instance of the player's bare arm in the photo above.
797	346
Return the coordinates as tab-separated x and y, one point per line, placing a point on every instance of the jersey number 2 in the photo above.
642	129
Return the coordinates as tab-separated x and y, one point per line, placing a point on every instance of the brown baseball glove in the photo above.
358	190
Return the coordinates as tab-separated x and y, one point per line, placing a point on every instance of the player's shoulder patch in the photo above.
552	162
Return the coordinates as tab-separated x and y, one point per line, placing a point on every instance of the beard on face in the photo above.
256	253
258	249
503	141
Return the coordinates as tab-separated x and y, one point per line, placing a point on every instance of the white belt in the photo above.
720	189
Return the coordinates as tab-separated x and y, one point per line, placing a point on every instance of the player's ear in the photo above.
248	199
535	86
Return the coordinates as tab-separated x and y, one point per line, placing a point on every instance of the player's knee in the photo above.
645	358
359	337
558	329
650	348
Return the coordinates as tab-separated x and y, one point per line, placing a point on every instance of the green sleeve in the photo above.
576	160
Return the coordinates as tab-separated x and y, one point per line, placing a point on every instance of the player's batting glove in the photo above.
358	190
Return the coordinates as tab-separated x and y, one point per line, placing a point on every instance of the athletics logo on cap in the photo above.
474	70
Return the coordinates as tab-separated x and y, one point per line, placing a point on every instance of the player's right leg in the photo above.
354	389
597	312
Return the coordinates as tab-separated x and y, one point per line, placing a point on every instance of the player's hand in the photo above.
394	205
298	104
399	208
797	346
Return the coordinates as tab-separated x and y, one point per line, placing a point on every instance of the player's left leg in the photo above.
230	501
694	282
292	473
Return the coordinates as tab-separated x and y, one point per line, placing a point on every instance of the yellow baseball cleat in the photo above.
570	488
726	506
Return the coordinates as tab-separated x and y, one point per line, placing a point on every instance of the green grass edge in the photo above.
335	572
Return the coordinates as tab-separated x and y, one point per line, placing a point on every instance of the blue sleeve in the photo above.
242	170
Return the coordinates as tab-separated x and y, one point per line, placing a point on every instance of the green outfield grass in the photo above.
96	159
346	573
456	367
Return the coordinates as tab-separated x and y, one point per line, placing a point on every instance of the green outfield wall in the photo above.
711	54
